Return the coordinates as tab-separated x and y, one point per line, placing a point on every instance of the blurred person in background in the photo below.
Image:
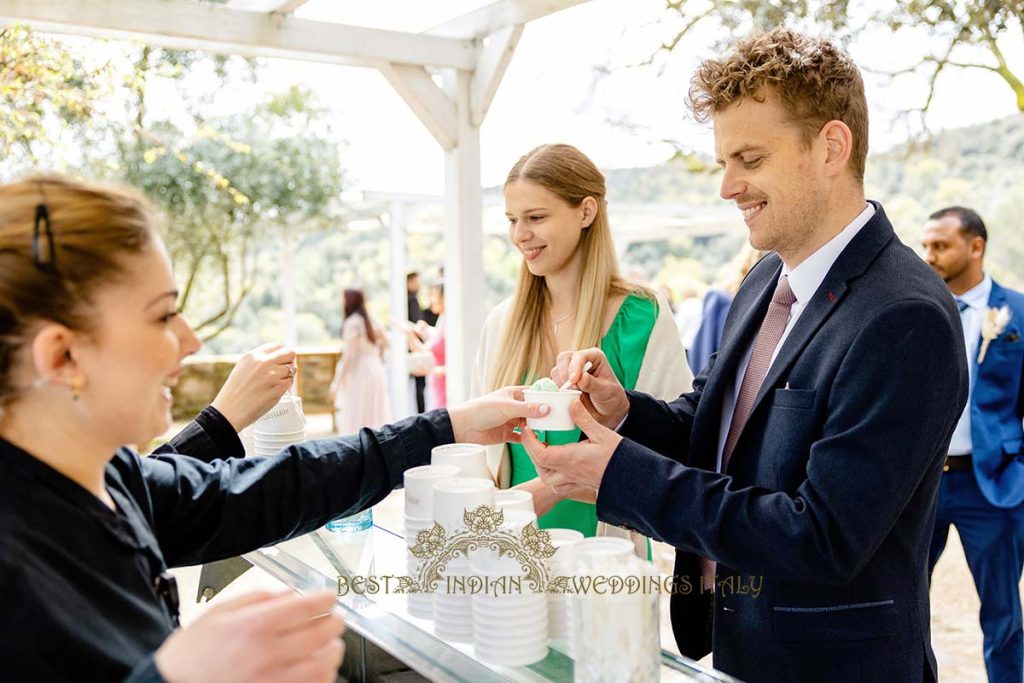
424	338
360	386
688	314
981	491
415	315
717	301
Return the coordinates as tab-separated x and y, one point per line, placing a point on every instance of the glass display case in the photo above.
380	622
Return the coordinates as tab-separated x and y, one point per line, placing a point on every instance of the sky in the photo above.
552	93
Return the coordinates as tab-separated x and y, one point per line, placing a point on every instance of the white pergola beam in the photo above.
428	101
216	28
499	15
494	60
273	6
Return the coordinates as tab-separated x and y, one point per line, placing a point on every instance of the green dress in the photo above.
624	345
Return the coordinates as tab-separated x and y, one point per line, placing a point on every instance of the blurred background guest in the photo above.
688	314
425	338
716	306
360	387
415	314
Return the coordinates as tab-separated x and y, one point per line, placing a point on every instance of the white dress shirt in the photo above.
804	280
976	299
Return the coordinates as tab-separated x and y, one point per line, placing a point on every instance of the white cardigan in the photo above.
664	374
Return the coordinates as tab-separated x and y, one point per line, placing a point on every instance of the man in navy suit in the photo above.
806	460
982	487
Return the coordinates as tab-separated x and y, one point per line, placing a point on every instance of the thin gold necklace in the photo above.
561	320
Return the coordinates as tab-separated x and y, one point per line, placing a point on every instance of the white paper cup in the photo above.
419	488
278	444
603	553
421	605
512	638
499	655
284	418
452	497
452	632
470	458
289	437
558	419
511	624
514	499
561	538
511	603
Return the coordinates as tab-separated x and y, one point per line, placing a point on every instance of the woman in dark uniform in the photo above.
90	344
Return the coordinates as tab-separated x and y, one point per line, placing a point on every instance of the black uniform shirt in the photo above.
79	583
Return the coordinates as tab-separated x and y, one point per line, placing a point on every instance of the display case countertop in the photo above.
379	621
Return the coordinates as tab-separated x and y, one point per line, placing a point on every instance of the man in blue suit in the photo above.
982	487
806	460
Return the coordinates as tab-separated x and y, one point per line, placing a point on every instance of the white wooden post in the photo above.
463	241
398	370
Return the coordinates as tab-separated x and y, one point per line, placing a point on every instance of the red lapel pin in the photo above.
831	298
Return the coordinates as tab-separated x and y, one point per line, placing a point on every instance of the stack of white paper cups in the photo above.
470	458
510	617
560	564
282	426
453	613
419	516
615	634
514	499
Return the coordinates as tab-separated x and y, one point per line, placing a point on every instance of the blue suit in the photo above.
709	334
820	527
986	503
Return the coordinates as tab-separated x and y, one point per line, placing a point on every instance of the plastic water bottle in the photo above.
351	525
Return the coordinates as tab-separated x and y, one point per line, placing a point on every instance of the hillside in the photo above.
978	166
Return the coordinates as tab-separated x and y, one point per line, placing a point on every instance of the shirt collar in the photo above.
977	296
805	279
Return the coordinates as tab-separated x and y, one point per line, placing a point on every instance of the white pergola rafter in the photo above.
227	30
272	6
468	54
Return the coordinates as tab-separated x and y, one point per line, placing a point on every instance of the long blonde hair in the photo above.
528	342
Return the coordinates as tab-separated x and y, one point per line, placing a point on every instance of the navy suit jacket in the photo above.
997	407
822	523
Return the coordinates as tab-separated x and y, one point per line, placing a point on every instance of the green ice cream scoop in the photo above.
545	384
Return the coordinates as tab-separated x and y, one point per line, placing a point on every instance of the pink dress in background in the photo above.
438	380
360	380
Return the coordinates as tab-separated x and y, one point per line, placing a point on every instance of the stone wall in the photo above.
204	375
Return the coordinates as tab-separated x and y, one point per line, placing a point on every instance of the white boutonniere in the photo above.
992	325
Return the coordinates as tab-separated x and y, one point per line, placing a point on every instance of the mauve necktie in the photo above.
772	327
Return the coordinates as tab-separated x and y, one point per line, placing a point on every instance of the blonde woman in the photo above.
570	296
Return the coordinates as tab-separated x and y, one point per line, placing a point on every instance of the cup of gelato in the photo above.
546	391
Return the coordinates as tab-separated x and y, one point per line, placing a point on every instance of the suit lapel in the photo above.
996	298
851	264
750	305
821	304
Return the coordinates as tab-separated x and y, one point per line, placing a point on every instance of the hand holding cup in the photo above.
603	396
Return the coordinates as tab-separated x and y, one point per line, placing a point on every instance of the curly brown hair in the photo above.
816	81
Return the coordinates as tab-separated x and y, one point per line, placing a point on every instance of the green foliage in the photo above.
950	24
234	185
981	167
41	81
